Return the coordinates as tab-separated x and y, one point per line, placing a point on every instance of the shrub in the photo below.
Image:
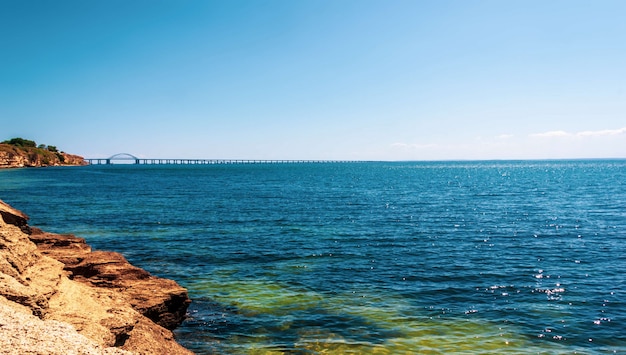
21	142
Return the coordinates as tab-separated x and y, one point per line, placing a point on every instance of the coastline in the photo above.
12	157
57	296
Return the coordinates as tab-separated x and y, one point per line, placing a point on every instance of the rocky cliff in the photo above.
19	157
57	296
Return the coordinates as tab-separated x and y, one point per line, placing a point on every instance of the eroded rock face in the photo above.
20	157
161	300
12	216
105	298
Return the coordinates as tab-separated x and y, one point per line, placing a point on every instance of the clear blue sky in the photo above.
315	79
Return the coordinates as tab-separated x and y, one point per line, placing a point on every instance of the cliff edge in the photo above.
57	296
12	156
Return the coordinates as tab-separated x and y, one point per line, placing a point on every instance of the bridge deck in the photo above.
151	161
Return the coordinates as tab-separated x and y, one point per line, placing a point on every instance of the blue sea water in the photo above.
519	257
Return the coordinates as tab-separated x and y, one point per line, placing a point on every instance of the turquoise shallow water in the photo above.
363	258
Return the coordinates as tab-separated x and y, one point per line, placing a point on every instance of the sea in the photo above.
453	257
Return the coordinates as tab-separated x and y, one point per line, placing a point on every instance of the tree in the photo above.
21	142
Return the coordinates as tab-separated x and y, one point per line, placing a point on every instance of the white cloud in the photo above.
551	134
414	146
606	132
557	144
599	133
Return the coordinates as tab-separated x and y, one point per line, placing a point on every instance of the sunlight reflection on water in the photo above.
372	258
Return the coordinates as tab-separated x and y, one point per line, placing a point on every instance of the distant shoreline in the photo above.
12	156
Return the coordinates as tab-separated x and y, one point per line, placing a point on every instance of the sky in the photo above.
316	79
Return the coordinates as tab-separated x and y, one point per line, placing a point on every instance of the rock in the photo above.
66	248
12	216
161	300
72	159
23	333
58	280
25	277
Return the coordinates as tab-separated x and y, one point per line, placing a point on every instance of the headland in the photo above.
21	153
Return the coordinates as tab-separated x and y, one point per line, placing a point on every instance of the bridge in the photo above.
126	158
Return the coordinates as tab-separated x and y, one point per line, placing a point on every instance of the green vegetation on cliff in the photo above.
20	142
18	152
41	153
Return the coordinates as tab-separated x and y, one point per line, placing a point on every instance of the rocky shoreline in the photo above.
57	296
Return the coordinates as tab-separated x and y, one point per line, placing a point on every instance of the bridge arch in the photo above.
124	157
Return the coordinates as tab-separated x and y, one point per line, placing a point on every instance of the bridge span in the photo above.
126	158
